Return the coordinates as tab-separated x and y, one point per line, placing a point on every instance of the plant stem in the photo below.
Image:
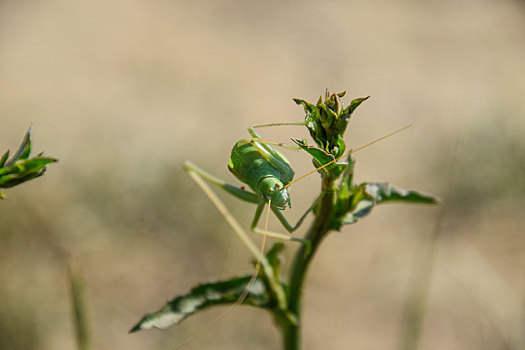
319	228
79	308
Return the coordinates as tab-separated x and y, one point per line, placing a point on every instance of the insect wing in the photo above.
277	160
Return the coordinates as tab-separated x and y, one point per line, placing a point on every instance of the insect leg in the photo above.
285	222
252	247
278	144
233	190
257	137
277	235
252	128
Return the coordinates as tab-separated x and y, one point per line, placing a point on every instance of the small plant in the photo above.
20	168
268	173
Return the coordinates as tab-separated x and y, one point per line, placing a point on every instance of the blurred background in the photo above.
122	92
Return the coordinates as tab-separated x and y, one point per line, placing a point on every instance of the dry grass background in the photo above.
123	91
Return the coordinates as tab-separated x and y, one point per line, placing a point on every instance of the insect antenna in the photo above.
278	124
250	283
278	144
347	154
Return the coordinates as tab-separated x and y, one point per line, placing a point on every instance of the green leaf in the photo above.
355	103
205	296
23	170
332	102
327	121
360	210
321	158
356	202
341	146
23	150
308	107
328	116
20	168
4	158
345	189
383	192
273	258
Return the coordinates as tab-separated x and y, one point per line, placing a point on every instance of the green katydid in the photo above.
266	171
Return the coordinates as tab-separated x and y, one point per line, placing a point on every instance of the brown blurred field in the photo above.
122	92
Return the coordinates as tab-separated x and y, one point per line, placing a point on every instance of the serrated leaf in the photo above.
205	296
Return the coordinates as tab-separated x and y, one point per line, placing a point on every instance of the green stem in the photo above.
319	228
79	308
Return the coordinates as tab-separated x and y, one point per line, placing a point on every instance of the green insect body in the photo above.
265	170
